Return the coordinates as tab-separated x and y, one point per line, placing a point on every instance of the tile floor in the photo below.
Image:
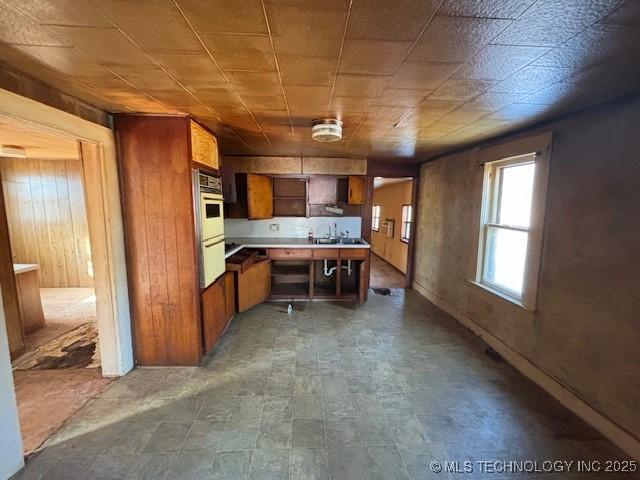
330	392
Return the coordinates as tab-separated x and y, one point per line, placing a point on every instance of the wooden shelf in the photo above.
290	290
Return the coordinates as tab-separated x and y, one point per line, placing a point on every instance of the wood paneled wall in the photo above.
155	173
47	219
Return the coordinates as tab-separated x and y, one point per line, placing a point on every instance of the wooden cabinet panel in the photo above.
363	287
254	285
9	290
356	190
155	175
214	317
320	253
259	197
354	253
289	253
334	166
323	190
204	147
229	296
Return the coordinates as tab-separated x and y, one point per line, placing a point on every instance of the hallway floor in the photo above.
64	309
385	275
330	392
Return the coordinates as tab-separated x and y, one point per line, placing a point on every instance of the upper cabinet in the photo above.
204	147
356	190
259	197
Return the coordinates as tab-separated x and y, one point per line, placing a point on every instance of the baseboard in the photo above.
619	436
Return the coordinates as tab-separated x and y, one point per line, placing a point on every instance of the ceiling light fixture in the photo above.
326	130
13	151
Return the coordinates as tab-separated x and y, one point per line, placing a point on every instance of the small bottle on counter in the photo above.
290	309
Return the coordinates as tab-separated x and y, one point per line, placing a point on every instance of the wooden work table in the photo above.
31	314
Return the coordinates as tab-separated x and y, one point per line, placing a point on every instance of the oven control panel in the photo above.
210	184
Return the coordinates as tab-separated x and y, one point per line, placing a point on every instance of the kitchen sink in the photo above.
325	241
351	241
338	241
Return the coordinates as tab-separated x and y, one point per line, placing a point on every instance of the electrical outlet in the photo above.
274	227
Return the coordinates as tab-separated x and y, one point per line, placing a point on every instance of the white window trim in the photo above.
502	154
374	227
402	223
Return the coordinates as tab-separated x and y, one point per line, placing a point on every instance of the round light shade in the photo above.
326	130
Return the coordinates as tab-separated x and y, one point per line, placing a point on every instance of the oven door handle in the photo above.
214	243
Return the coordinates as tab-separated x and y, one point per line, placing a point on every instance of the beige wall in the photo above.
47	219
391	198
586	331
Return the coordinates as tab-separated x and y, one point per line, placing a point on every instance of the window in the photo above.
506	224
375	218
407	222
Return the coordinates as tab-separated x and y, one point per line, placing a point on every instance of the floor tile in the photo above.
167	437
270	464
204	435
307	406
310	464
231	465
375	431
308	433
342	433
349	463
275	433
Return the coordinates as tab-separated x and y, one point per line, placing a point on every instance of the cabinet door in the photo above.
259	196
363	287
213	313
229	296
323	190
356	190
254	285
204	147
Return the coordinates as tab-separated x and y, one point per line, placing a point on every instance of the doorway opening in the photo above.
48	285
391	233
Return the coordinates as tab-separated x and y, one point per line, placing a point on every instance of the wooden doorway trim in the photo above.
102	196
393	169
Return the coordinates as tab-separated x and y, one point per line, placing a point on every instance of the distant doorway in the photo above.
391	231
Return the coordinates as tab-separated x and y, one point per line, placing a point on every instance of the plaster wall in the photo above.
585	331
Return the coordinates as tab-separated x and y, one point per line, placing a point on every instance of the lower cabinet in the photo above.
254	284
218	308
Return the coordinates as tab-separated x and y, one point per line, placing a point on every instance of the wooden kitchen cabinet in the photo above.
254	284
204	147
229	296
214	318
356	190
259	197
156	156
323	190
218	308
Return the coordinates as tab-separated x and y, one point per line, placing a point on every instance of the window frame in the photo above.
375	220
501	155
491	213
404	223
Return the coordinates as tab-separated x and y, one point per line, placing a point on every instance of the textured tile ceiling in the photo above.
409	78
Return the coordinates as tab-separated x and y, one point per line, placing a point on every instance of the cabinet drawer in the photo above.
288	253
354	253
325	253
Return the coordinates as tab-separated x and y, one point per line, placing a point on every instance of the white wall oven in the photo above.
209	226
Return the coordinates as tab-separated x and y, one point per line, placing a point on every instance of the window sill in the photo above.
496	293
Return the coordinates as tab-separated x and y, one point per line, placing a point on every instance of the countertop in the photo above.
283	243
19	268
